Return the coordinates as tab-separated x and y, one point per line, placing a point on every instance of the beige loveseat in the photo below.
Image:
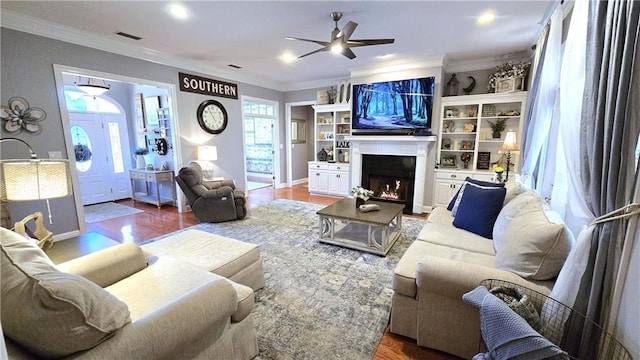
445	262
117	304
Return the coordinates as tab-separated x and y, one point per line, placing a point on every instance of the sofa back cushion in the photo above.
477	208
514	188
508	213
535	243
48	312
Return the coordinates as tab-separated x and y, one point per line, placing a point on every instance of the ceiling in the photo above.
251	34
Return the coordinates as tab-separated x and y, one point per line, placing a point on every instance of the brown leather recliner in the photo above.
211	201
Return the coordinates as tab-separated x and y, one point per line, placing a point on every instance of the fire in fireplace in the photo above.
390	177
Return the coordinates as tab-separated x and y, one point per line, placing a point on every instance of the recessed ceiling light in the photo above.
486	17
385	56
288	58
178	11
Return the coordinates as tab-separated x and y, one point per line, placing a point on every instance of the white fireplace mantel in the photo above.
393	145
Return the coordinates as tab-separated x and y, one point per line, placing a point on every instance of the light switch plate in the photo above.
55	155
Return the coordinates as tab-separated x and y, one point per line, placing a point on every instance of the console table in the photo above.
156	177
69	249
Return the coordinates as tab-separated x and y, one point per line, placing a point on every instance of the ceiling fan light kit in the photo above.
341	42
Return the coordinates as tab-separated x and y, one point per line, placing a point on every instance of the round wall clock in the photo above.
212	116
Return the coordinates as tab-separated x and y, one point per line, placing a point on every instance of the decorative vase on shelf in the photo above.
140	163
359	202
496	135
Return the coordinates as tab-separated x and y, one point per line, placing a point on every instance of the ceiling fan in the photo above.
340	42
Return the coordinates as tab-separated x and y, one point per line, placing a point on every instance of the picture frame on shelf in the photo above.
510	84
484	160
488	110
467	145
151	106
448	161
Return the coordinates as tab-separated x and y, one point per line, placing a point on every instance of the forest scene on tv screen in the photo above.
400	104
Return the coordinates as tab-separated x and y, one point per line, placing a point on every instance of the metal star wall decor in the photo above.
19	116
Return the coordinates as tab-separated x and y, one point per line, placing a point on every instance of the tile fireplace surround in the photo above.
393	145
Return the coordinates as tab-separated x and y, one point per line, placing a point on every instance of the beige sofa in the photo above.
445	262
132	308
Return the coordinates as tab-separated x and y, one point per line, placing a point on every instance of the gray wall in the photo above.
300	152
27	71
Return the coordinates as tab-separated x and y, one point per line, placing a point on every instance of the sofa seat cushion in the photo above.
447	235
220	255
404	275
535	243
165	280
49	312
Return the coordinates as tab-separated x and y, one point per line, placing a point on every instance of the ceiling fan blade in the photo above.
348	53
368	42
313	52
319	42
347	30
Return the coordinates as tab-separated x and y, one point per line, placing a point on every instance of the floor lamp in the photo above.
34	179
509	146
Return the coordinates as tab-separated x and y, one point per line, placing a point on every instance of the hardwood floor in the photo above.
153	222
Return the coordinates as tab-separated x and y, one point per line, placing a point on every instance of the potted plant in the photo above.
139	157
361	195
498	127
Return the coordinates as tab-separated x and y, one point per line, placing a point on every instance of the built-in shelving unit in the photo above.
329	172
466	144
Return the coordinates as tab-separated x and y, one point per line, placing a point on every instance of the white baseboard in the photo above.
300	181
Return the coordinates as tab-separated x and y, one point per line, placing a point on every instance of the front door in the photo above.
99	147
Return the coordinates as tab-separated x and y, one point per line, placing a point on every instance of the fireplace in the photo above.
391	178
415	147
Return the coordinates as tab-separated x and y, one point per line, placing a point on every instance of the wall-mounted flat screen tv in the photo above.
399	107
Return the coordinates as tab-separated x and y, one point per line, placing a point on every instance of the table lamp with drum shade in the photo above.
509	146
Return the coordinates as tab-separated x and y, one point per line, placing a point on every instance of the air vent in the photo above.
235	66
128	35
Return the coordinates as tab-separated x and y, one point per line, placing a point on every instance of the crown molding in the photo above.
452	65
398	65
31	25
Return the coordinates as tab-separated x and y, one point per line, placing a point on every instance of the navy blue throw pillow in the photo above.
478	209
473	181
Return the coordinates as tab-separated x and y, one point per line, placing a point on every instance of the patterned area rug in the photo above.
320	301
105	211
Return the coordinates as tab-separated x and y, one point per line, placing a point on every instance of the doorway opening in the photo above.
300	128
260	119
89	128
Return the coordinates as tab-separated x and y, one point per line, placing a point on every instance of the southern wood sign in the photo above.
200	85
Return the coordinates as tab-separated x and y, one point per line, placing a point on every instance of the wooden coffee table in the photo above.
343	224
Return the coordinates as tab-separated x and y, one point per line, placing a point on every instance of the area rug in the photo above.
320	301
105	211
